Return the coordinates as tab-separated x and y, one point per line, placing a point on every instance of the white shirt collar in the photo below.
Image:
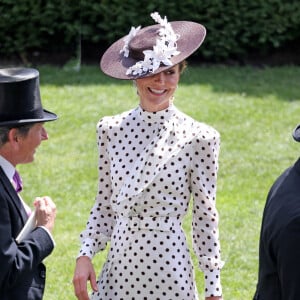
7	167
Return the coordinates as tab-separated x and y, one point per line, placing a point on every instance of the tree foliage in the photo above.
235	28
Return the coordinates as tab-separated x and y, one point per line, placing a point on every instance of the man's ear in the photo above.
13	135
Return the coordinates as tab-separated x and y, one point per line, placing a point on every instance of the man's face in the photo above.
28	143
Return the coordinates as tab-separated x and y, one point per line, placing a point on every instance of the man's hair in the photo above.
22	130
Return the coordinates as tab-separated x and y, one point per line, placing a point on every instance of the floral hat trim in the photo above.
152	49
165	48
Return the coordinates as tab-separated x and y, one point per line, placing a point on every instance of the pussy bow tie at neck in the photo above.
18	182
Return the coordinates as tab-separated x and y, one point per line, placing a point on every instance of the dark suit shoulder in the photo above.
283	201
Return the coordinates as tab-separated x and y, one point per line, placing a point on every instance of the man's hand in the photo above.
45	212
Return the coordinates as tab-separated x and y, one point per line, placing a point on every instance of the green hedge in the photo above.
36	25
235	28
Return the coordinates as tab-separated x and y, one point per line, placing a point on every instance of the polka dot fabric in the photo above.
150	164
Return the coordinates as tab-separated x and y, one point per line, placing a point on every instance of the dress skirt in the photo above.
148	259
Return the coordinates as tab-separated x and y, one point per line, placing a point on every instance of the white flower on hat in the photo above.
165	48
128	38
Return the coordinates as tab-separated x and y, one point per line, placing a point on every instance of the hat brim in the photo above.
191	35
296	133
48	116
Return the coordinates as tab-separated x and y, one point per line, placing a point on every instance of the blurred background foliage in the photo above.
238	31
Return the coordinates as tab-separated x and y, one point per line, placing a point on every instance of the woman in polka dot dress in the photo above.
152	159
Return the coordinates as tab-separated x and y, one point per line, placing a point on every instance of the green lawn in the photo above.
255	110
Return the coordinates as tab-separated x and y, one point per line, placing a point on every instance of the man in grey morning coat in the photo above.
22	274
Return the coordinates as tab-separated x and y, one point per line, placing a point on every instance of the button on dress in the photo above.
151	165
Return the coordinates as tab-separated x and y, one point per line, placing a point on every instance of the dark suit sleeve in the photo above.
288	257
19	260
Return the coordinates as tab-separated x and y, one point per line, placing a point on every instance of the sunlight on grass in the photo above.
255	110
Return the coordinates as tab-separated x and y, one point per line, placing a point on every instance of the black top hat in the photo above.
20	100
296	133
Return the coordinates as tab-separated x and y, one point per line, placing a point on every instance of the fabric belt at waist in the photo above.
162	223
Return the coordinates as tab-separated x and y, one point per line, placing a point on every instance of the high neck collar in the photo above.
157	117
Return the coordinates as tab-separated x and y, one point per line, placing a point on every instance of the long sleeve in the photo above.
205	216
101	220
19	260
286	250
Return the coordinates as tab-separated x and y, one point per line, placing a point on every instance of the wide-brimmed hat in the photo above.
152	49
20	100
296	133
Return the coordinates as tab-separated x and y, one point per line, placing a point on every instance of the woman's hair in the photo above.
22	130
182	66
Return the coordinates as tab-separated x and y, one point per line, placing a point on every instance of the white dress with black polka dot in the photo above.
149	166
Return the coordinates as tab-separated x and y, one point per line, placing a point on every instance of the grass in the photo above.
255	110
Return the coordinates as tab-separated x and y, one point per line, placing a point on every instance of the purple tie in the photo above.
18	182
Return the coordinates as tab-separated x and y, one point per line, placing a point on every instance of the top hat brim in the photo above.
47	117
191	35
296	133
20	101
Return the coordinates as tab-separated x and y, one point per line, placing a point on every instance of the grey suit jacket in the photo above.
22	275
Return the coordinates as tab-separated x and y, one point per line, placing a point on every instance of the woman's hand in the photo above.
84	272
214	298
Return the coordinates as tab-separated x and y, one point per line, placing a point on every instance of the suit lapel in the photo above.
13	196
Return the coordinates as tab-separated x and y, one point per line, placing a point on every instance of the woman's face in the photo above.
156	92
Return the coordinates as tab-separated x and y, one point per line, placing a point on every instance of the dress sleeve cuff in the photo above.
212	283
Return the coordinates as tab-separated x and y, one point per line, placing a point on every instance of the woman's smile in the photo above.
156	92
